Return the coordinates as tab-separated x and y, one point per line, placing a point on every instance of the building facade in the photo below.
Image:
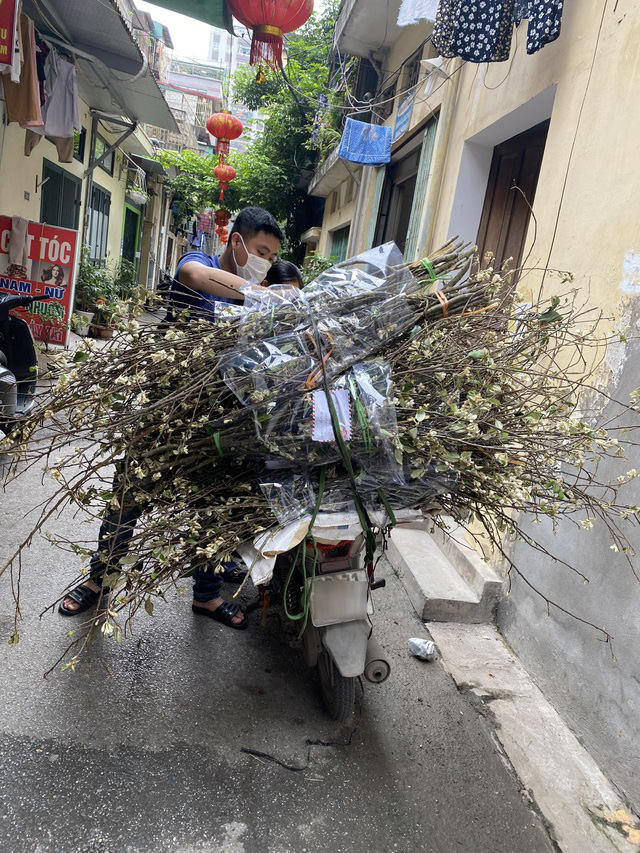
110	191
533	159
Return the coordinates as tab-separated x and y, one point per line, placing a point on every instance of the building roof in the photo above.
113	74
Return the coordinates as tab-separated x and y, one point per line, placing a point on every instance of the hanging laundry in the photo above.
366	144
61	112
474	30
22	98
18	249
204	221
520	11
10	38
412	11
545	21
42	52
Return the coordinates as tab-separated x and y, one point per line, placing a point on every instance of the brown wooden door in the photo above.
511	189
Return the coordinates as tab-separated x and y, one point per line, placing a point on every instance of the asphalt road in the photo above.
141	748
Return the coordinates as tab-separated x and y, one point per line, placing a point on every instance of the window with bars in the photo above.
60	203
100	147
412	69
98	225
387	99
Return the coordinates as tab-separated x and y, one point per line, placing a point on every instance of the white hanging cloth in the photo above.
412	11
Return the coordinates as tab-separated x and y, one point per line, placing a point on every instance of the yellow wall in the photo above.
343	215
18	175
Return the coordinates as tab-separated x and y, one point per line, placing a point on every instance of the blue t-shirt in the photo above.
199	303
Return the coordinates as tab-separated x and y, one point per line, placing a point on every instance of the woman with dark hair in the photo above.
54	272
284	272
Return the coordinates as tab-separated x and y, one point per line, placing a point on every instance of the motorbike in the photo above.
324	591
18	363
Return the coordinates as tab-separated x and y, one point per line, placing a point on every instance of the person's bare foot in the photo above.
238	619
71	604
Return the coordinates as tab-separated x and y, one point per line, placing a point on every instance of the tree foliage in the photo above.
273	170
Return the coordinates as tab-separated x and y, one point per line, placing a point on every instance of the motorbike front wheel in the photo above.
338	692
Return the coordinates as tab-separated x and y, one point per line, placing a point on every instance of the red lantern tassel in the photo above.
266	47
222	147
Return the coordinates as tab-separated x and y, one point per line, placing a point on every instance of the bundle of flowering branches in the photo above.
487	399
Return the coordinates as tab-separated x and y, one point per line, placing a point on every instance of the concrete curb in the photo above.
583	810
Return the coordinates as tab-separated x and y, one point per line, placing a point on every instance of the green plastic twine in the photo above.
361	415
215	435
426	263
387	506
307	590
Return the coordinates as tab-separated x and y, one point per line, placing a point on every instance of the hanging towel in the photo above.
18	250
476	30
61	112
366	144
412	11
22	99
545	20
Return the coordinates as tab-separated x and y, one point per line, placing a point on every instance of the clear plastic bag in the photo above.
272	311
259	372
290	495
301	430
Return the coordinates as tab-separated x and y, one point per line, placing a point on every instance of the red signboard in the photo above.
51	260
7	27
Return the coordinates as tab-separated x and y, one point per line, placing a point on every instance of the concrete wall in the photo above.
586	220
587	211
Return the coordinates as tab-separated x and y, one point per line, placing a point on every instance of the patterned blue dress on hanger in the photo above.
474	30
545	20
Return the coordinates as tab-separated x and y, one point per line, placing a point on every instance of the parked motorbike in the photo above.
326	589
18	363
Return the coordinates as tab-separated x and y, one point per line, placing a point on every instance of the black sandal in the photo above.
86	598
234	575
224	613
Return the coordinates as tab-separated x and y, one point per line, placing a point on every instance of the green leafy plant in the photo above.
314	264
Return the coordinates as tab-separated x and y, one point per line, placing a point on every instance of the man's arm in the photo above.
197	276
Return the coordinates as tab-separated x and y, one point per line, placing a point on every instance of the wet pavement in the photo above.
142	748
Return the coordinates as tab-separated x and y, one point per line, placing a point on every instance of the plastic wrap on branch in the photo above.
300	430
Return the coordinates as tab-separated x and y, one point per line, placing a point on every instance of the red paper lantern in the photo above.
222	217
224	127
269	20
224	173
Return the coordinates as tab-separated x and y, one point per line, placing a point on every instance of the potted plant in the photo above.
127	287
89	287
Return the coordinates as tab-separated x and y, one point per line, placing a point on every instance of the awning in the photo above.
152	167
113	76
214	12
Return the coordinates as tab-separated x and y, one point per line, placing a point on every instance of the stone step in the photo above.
436	589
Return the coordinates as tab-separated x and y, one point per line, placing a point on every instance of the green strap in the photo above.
307	590
361	415
426	263
387	507
215	435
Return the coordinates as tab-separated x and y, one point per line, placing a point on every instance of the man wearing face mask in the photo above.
203	282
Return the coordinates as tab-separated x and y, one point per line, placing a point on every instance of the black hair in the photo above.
283	272
250	220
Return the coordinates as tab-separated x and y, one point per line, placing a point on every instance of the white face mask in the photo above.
255	268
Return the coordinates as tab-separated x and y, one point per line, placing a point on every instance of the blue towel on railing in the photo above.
367	144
